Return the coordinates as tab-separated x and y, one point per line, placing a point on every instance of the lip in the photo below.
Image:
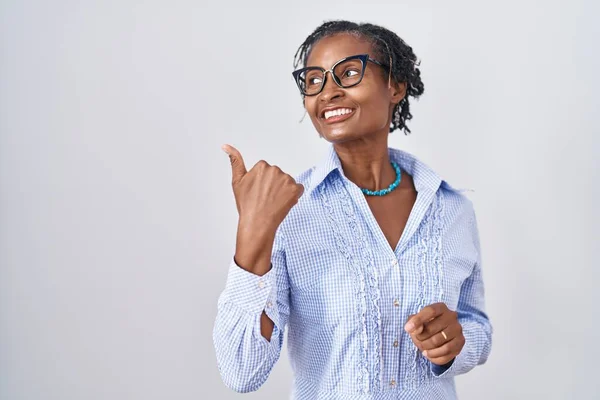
337	118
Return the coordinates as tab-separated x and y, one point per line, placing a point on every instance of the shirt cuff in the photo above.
440	369
247	290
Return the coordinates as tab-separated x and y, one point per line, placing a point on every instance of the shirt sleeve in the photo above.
440	369
245	358
477	328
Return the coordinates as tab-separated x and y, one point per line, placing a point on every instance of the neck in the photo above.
367	163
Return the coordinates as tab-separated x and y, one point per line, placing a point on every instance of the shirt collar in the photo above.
424	178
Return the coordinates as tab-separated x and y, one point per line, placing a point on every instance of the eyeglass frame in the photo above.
362	57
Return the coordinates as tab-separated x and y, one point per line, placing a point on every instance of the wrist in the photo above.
256	229
253	248
445	365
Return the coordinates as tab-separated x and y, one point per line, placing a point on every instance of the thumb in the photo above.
238	169
300	189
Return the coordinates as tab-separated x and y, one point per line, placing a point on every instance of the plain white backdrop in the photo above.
117	220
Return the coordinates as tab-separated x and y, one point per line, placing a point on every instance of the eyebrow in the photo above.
339	59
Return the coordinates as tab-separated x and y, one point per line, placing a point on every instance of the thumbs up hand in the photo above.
263	196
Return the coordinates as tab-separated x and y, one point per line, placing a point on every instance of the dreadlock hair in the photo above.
389	49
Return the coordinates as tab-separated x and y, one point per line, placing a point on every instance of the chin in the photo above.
337	134
340	137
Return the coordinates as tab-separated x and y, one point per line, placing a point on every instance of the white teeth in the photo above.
336	112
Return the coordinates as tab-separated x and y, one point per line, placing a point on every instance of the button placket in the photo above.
396	343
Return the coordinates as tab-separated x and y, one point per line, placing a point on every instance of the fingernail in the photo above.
425	353
224	149
409	327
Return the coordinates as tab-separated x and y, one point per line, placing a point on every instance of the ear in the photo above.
397	91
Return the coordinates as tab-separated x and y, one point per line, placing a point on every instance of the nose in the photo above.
330	89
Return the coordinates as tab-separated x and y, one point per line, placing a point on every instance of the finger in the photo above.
300	189
238	168
442	360
452	347
438	340
415	323
433	328
417	342
437	324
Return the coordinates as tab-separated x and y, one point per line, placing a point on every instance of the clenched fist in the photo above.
263	196
435	331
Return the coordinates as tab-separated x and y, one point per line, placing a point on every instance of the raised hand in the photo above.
263	196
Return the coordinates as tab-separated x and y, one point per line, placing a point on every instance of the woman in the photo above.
370	260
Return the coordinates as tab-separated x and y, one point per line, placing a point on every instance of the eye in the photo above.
349	73
314	81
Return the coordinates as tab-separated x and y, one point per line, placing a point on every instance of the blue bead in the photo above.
387	190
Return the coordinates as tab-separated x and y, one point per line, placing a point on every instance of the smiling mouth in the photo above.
337	115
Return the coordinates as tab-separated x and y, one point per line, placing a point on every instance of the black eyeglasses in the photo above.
346	73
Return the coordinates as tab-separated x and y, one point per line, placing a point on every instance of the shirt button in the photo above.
269	304
395	263
393	382
396	303
261	284
395	343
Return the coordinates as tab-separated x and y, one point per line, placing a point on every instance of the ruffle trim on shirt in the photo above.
440	217
371	276
360	295
424	235
430	266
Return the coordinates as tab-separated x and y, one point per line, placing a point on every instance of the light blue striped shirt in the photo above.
343	296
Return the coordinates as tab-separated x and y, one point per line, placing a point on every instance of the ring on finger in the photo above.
444	335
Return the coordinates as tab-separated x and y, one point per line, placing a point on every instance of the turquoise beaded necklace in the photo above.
387	190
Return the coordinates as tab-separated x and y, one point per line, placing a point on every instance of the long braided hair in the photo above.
389	49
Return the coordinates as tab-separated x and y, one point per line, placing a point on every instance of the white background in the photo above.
117	221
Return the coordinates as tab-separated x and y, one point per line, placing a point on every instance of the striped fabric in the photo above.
343	295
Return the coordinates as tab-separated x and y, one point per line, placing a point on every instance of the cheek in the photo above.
311	109
311	106
372	96
375	108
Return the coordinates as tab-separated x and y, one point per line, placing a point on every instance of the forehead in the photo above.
328	50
